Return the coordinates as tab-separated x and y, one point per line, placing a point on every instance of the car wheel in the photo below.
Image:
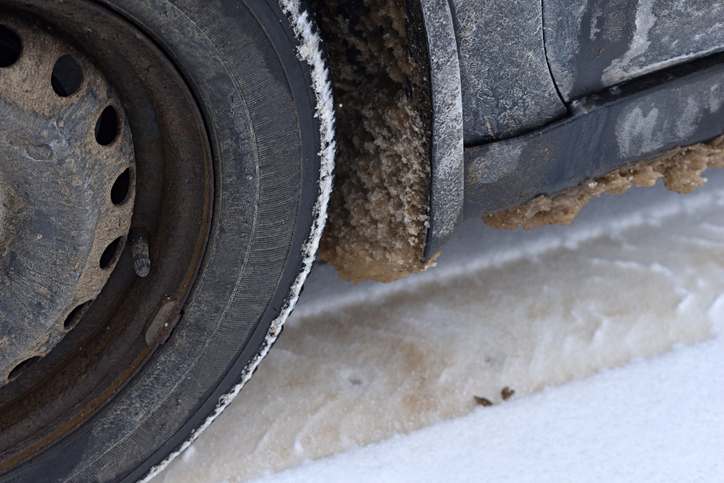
166	168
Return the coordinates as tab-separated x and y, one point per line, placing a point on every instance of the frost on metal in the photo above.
592	44
645	20
507	87
309	51
561	46
641	128
658	41
501	159
680	168
379	210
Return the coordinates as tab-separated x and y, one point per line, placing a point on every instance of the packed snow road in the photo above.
635	276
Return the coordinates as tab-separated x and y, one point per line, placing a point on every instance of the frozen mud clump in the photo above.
680	169
378	218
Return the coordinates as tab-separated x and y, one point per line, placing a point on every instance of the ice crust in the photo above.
680	168
378	217
634	276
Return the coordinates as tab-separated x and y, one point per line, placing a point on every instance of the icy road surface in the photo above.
635	276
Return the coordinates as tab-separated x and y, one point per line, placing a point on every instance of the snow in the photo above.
609	331
612	427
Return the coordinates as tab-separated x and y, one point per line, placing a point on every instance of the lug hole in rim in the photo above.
107	126
67	76
22	367
111	253
121	187
11	46
75	316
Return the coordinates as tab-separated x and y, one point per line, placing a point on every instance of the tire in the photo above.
268	116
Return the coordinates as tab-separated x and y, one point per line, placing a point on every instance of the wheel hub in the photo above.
169	189
67	187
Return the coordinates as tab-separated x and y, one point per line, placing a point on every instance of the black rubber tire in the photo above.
239	59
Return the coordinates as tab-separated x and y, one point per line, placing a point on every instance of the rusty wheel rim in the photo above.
67	184
168	200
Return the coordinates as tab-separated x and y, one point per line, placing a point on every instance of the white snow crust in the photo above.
310	51
372	372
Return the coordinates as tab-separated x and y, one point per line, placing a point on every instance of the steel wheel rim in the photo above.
131	316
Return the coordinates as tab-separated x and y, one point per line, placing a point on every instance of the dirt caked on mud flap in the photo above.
399	176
